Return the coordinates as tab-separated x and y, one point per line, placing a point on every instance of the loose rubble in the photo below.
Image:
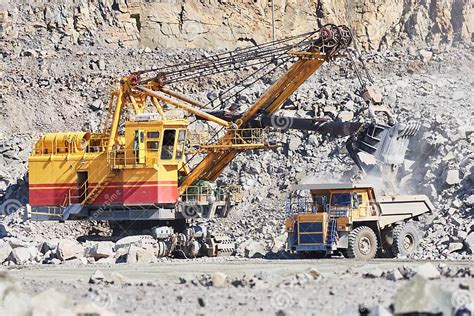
15	301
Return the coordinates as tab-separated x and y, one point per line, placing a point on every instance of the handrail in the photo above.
51	211
202	193
239	136
128	157
71	147
69	197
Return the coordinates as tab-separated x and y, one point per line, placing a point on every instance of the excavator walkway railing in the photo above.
126	158
239	139
202	193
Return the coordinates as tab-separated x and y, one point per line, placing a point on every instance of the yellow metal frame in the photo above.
215	162
311	218
111	153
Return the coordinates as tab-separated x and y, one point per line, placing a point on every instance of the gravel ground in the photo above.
253	286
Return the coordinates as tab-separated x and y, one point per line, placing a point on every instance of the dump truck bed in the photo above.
395	208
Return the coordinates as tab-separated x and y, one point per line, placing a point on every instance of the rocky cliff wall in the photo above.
226	24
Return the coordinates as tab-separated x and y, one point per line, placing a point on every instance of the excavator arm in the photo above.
307	55
332	39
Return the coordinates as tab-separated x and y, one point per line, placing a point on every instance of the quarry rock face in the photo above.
227	24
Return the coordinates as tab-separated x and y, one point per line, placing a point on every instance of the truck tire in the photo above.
362	243
406	238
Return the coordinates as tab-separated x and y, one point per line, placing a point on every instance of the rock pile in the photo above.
427	271
21	250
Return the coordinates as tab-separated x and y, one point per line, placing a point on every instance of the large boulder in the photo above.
219	279
69	249
279	243
12	300
21	255
99	250
97	277
5	251
420	296
452	177
255	249
428	271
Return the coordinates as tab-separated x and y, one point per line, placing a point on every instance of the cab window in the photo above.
153	135
181	139
153	145
341	199
168	144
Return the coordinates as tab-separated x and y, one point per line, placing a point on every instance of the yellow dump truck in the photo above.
349	218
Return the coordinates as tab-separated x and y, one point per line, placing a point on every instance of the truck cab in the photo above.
346	217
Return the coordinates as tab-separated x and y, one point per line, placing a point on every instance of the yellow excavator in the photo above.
147	169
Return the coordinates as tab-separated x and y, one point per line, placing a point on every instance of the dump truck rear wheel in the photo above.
362	243
406	238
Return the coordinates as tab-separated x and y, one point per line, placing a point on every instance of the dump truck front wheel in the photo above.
406	238
362	243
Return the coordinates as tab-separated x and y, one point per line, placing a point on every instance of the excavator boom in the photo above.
332	39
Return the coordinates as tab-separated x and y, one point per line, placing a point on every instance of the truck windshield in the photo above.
341	199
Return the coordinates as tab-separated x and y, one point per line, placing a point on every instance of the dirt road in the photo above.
252	286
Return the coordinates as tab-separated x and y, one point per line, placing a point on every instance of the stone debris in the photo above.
419	296
300	279
69	249
428	271
97	277
219	279
394	275
14	301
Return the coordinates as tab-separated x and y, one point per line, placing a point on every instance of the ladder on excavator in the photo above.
99	187
85	197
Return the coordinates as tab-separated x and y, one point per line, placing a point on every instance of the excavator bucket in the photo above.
383	143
